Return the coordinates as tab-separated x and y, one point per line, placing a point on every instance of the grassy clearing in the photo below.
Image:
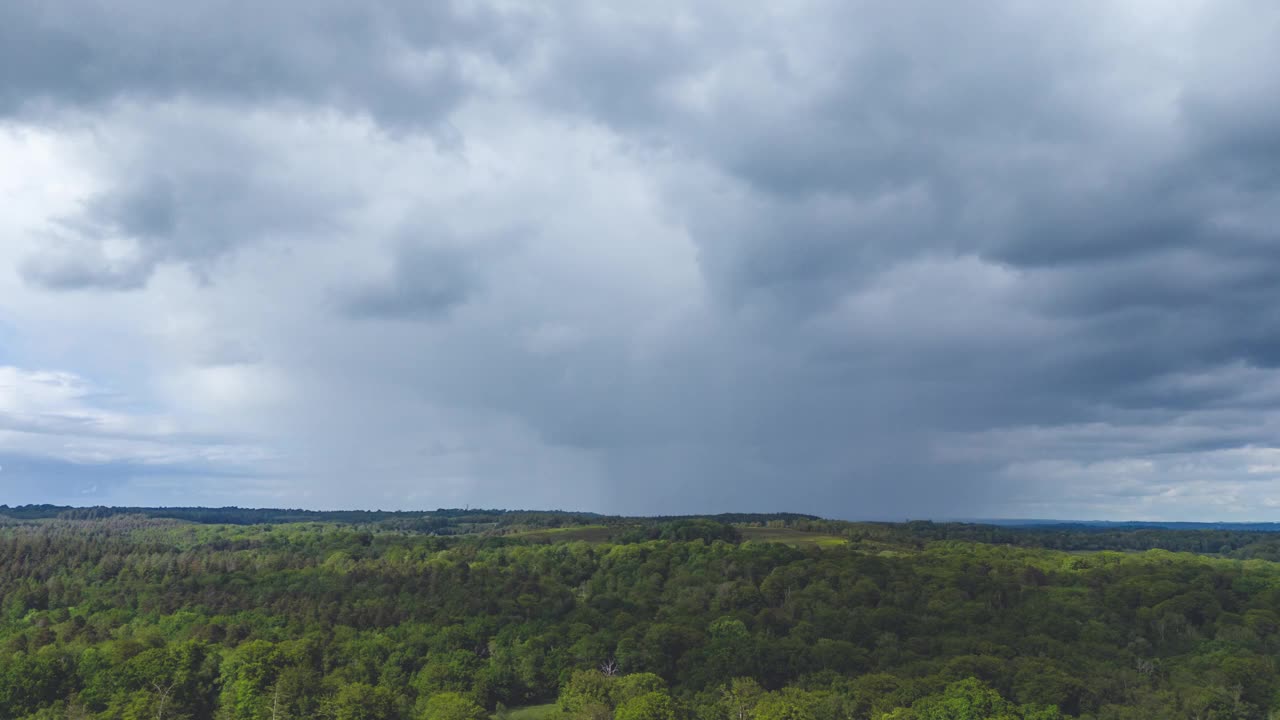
586	533
529	712
788	536
602	533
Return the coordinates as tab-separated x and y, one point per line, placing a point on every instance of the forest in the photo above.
133	613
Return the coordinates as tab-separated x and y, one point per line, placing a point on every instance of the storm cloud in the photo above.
847	258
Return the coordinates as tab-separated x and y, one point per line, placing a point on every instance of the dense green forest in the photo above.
470	614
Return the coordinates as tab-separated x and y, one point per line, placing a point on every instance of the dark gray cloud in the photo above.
838	257
426	283
64	265
399	61
182	190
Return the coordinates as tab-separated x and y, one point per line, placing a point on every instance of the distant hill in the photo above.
232	515
419	519
1086	525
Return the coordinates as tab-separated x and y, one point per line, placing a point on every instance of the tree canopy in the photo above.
126	616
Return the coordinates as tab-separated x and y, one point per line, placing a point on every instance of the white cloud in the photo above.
60	416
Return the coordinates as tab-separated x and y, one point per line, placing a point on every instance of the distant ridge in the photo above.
232	515
1127	524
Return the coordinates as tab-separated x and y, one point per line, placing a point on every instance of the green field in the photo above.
789	536
602	534
528	712
585	533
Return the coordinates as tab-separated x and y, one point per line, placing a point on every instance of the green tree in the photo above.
451	706
360	701
740	697
634	685
586	688
656	705
786	704
971	699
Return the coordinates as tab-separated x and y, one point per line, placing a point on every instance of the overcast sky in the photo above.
861	259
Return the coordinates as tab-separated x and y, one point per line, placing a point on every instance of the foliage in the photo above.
125	616
971	699
451	706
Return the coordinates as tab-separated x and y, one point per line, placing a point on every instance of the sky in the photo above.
859	259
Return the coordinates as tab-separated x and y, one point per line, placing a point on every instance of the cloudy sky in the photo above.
863	259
